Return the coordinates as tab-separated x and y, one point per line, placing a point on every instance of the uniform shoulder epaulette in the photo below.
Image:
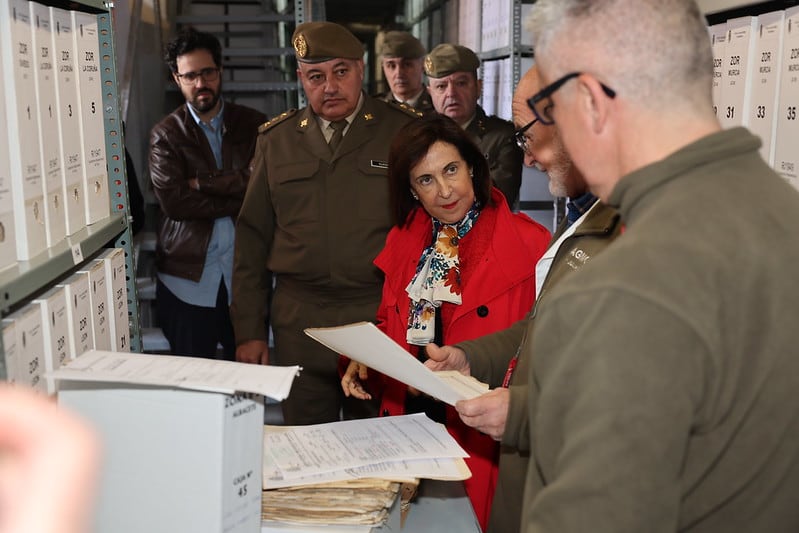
277	120
405	108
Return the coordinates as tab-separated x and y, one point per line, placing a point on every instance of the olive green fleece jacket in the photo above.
683	415
490	355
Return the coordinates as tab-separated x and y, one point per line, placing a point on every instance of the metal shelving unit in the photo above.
22	281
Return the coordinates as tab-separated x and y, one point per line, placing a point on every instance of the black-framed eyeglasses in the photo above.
541	102
207	74
521	138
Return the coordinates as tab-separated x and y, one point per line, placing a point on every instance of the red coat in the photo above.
497	262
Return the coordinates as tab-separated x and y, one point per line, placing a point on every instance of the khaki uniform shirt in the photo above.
494	136
313	218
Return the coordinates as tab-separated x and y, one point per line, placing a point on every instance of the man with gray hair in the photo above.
402	55
683	415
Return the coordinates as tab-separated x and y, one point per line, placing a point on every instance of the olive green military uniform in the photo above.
494	136
424	104
316	220
490	356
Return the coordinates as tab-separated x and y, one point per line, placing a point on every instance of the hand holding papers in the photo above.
365	343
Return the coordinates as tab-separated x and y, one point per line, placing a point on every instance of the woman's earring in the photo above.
471	173
415	196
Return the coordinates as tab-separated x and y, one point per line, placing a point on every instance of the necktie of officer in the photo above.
338	134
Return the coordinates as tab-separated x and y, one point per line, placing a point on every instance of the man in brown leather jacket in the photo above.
199	157
316	214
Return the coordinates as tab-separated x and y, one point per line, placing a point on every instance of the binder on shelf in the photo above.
68	121
738	61
490	86
113	260
765	81
16	47
79	313
718	41
469	28
47	120
29	367
10	354
98	297
8	244
92	129
55	329
786	156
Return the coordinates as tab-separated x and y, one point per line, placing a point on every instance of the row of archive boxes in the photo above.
756	83
87	309
53	172
485	25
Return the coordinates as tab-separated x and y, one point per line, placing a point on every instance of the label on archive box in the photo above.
16	46
98	296
29	369
738	53
786	156
55	327
92	129
79	313
44	64
718	40
114	262
765	81
68	120
8	242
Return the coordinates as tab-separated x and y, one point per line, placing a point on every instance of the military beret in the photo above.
401	44
315	42
447	58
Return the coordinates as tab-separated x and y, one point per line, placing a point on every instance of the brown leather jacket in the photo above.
180	151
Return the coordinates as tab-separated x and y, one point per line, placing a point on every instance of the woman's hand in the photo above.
353	380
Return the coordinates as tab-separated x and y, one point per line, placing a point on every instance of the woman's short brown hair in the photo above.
410	145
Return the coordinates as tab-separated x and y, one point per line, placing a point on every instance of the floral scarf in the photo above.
437	278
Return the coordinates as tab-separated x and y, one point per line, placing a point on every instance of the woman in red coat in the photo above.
458	265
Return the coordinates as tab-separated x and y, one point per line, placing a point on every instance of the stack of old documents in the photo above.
353	472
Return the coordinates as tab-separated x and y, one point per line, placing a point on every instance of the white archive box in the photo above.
98	296
29	368
765	81
68	121
117	289
10	353
738	66
50	153
786	156
92	129
182	448
79	313
16	47
55	328
8	242
718	40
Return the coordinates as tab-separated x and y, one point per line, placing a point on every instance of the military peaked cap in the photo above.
447	58
315	42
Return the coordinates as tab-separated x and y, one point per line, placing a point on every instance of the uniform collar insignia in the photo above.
304	123
368	116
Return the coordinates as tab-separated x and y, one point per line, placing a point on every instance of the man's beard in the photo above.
205	105
559	171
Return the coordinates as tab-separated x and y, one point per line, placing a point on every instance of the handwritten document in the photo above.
300	451
181	372
365	343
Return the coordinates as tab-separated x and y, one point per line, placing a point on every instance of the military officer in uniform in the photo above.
315	215
454	88
402	56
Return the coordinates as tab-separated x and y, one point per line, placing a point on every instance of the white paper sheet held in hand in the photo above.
365	343
182	372
308	450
